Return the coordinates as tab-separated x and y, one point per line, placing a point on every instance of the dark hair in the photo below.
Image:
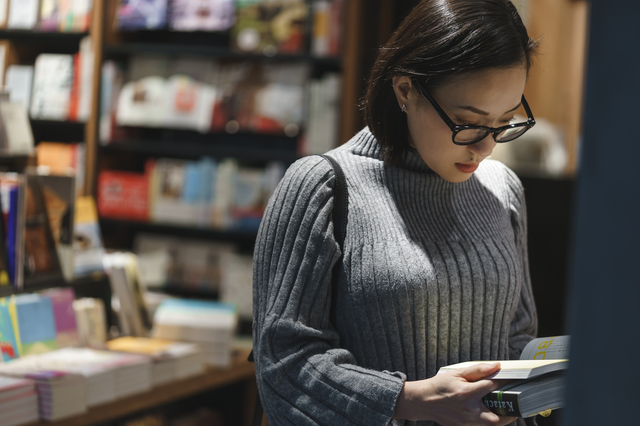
438	40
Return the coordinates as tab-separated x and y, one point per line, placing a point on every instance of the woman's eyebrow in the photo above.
481	112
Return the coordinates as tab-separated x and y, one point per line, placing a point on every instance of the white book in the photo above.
85	94
17	127
4	9
19	80
23	14
52	83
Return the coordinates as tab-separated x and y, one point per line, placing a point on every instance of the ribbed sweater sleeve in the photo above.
304	378
524	326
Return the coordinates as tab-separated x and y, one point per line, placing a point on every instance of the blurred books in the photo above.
206	193
170	360
210	324
18	401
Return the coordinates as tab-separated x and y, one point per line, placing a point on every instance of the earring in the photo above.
404	108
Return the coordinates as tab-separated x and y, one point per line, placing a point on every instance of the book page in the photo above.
556	347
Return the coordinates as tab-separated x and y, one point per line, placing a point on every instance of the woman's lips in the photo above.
467	168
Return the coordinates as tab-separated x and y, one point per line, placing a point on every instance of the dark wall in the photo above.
605	298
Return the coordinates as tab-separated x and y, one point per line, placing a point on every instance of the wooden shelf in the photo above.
211	51
241	370
185	231
46	38
193	145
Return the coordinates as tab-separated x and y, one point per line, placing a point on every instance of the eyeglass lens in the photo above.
470	136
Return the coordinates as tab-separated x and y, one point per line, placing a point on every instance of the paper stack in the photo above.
18	401
171	360
61	394
210	324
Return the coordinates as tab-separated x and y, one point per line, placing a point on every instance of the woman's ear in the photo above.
402	86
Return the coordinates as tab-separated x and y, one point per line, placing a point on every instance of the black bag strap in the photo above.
340	210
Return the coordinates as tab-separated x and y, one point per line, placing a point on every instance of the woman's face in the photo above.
486	98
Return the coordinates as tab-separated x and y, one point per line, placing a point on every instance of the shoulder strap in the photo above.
340	209
340	203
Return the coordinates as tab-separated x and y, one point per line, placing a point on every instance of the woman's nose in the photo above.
484	148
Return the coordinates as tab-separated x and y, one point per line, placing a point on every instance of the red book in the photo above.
123	195
75	89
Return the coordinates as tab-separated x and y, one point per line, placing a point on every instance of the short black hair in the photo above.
439	40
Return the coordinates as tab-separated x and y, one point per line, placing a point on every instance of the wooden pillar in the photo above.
92	125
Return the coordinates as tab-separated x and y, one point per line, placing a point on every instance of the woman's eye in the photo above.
509	121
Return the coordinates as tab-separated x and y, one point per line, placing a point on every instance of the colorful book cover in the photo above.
41	262
123	195
202	15
36	324
64	316
270	27
142	14
88	248
49	15
8	344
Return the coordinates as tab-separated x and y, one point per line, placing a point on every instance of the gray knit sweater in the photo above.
433	273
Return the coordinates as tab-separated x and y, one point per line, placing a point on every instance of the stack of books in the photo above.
171	360
132	372
100	381
18	401
210	324
60	394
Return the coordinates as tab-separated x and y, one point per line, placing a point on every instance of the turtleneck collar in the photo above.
366	145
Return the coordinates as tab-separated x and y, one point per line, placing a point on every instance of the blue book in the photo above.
12	224
36	324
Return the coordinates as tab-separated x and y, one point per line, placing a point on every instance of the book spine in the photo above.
503	404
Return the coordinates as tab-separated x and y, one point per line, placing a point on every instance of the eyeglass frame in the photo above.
457	128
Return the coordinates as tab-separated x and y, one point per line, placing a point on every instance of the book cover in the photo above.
23	14
529	397
141	14
92	322
49	19
88	248
17	128
59	198
142	102
36	324
189	265
41	261
5	282
85	79
64	316
18	80
8	57
202	15
4	12
8	345
123	195
189	104
53	78
270	27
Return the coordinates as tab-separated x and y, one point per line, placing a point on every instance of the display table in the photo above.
241	370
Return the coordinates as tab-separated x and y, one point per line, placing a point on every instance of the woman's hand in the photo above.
452	399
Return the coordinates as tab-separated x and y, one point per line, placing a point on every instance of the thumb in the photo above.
479	371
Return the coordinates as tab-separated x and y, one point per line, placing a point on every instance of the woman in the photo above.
434	264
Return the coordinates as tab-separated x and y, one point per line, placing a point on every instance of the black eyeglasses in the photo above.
468	135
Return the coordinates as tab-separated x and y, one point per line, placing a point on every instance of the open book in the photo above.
537	379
